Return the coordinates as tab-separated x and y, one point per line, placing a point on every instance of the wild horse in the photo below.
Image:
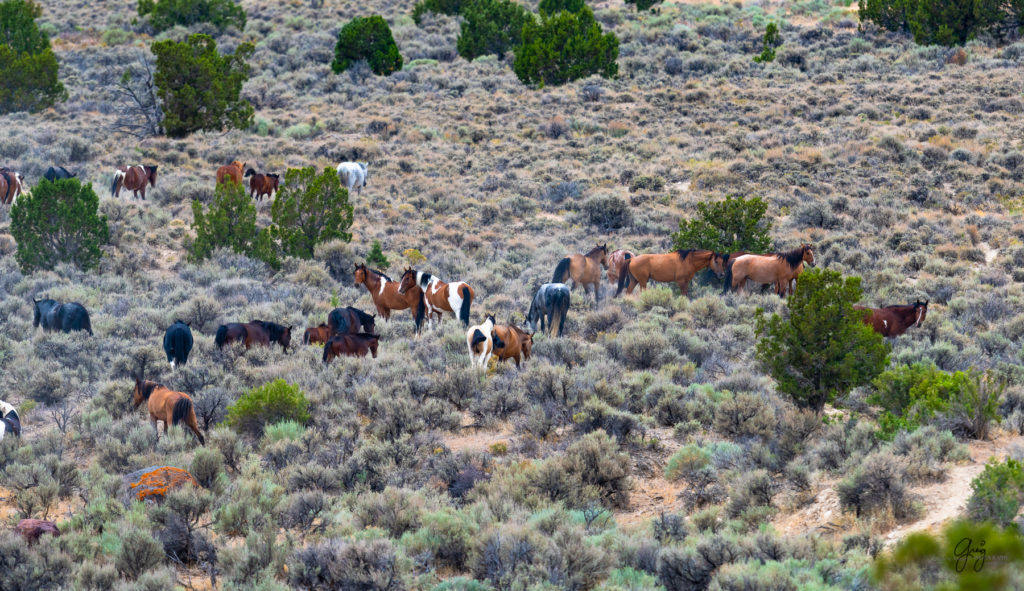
53	315
892	321
133	178
678	267
386	296
439	296
779	269
166	405
252	333
583	269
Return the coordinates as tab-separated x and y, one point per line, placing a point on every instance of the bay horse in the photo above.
231	171
11	185
350	320
481	341
551	303
178	343
256	332
262	184
53	315
166	405
439	296
583	269
386	296
10	422
778	268
615	261
679	267
315	335
353	345
59	173
133	178
352	176
892	321
512	342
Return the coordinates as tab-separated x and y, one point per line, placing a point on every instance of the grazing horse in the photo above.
386	296
231	171
439	296
353	176
481	341
316	334
892	321
166	405
353	345
615	261
512	342
133	178
63	317
256	332
679	267
721	261
778	268
178	343
583	269
262	184
11	185
350	320
10	422
552	300
60	173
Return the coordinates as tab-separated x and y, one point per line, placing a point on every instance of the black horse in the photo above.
10	422
256	332
552	299
63	317
58	173
178	343
349	320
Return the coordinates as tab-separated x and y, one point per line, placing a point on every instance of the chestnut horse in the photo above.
353	345
892	321
386	296
778	268
316	335
166	405
615	261
262	184
10	186
515	343
439	296
231	171
133	178
481	341
679	267
583	269
256	332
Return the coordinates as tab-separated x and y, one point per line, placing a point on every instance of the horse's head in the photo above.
808	253
248	173
490	318
604	255
920	311
368	323
718	263
285	338
408	281
141	391
275	180
360	274
151	174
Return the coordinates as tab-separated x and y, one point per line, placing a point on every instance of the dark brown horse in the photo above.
678	267
353	345
892	321
316	335
262	184
615	261
779	269
438	296
350	320
133	178
515	343
166	405
386	297
583	269
256	332
231	171
10	186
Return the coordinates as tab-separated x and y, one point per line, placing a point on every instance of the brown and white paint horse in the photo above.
386	296
133	178
439	296
11	185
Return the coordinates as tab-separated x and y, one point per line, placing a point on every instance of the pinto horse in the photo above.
778	269
481	341
550	301
178	343
316	334
262	184
892	321
583	269
256	332
10	422
439	296
11	185
386	296
62	317
166	405
231	171
133	178
350	320
615	261
353	345
679	267
512	342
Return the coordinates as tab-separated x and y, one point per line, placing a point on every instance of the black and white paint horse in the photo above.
481	341
552	302
178	343
10	422
353	176
53	315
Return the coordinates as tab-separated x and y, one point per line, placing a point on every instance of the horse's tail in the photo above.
305	338
624	275
118	179
467	299
421	311
179	347
326	346
86	324
728	278
182	408
478	337
561	271
222	336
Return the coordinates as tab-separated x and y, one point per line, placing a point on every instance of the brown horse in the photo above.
10	186
615	261
262	184
679	267
256	332
515	343
439	296
166	405
316	335
583	269
386	296
353	345
778	269
350	320
231	171
892	321
133	178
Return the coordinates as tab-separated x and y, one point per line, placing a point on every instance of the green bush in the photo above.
564	47
732	225
367	38
199	87
998	492
491	27
310	209
58	222
164	14
230	222
822	349
643	4
28	66
376	257
446	7
768	45
878	484
271	403
944	22
555	6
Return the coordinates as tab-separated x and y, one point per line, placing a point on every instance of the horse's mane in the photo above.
518	330
595	249
147	388
363	316
685	253
274	330
381	274
273	175
793	257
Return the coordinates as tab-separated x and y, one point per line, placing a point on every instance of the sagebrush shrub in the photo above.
371	565
367	38
59	222
998	492
878	485
274	402
164	14
564	47
607	213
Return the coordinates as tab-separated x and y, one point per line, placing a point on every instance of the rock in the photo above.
32	529
154	482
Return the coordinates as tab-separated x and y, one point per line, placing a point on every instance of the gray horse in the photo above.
552	300
353	175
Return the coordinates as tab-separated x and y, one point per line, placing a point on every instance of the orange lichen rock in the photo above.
157	482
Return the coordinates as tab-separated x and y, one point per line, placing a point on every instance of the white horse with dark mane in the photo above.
352	175
9	420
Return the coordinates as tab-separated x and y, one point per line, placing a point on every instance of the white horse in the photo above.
353	175
481	342
9	420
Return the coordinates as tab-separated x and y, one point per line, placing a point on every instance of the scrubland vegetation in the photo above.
651	448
